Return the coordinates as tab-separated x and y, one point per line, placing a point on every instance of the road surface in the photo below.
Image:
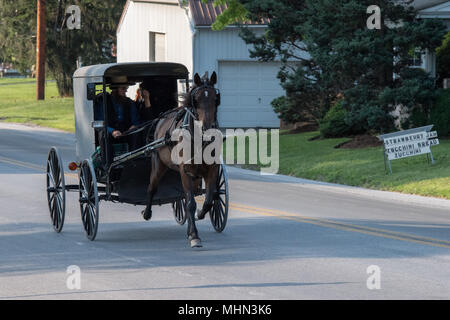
286	238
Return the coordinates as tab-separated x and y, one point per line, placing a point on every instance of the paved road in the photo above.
286	238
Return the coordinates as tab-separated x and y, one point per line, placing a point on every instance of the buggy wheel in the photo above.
89	199
179	211
219	210
56	189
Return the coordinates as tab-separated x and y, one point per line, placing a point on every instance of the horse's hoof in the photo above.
146	215
196	243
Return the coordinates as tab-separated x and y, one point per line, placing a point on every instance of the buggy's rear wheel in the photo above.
179	211
56	189
219	210
89	199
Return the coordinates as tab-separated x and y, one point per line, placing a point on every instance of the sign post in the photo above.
408	143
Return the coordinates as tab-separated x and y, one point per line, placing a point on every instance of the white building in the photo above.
432	9
167	30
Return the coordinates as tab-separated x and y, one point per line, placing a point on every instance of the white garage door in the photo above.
247	88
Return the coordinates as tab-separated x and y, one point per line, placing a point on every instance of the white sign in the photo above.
408	145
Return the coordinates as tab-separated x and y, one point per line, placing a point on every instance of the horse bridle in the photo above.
204	86
191	111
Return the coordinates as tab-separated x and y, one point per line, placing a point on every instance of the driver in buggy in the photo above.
123	116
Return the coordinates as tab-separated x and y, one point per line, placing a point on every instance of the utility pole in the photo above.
40	50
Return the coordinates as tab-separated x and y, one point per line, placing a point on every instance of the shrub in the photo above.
440	114
333	124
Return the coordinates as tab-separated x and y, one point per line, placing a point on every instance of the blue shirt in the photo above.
119	109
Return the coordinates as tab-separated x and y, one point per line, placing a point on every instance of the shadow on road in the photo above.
28	248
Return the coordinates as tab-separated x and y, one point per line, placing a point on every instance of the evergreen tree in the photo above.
337	55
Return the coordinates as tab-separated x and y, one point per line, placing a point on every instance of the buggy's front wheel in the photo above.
56	189
89	199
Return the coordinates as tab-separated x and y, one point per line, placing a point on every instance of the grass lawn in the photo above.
319	160
18	104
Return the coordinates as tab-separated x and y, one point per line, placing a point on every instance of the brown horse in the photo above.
201	103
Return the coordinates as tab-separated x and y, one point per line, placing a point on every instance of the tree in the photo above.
92	44
18	33
443	59
234	13
327	51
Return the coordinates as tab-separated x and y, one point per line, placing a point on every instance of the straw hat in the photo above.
120	81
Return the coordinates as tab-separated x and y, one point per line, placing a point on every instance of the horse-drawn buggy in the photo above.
140	169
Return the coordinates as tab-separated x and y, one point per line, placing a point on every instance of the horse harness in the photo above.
188	114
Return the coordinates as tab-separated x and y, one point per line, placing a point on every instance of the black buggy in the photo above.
124	177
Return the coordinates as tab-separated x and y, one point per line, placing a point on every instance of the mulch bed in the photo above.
303	127
360	142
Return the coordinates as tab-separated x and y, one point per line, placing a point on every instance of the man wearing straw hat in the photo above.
122	111
123	115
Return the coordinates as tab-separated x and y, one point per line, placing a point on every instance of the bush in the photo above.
440	114
333	124
283	107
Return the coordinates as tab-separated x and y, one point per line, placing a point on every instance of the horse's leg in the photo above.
158	170
191	206
210	186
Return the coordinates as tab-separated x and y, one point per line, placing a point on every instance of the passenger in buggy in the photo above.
156	96
143	103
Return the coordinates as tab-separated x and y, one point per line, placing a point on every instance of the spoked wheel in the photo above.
179	211
56	189
89	199
219	210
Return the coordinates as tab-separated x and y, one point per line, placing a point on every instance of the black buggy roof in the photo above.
133	70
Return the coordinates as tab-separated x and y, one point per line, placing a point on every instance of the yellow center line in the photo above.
31	166
293	216
341	226
22	164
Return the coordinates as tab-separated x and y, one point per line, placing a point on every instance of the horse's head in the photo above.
205	99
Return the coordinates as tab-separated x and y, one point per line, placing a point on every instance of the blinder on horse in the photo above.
205	86
192	112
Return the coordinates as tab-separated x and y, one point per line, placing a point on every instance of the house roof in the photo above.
438	11
206	14
424	4
203	15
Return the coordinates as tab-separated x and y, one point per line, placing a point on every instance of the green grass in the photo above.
319	160
18	104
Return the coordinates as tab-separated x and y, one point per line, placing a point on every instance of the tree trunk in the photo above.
64	83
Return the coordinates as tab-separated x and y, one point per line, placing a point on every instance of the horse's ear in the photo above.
197	80
213	79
